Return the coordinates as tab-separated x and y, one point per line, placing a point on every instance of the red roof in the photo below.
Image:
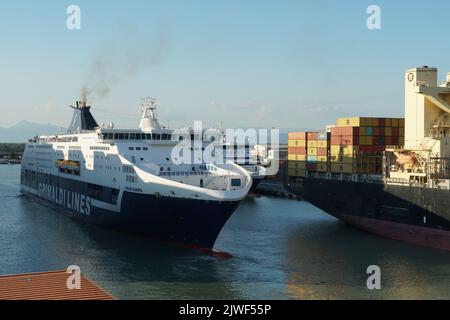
49	286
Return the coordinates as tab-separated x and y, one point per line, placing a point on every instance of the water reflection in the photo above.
329	259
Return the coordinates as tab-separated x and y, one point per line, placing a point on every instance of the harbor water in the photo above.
282	249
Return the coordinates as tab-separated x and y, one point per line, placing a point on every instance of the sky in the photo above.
253	63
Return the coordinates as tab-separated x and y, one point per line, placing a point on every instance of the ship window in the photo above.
132	136
235	182
148	136
130	148
138	148
180	138
126	136
164	136
121	136
116	136
145	149
138	136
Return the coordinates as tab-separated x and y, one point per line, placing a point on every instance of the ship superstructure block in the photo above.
427	112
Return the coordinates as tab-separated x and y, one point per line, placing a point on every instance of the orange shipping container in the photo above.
297	151
344	140
322	151
345	131
312	136
297	135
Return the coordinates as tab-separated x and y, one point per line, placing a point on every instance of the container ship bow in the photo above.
387	176
128	179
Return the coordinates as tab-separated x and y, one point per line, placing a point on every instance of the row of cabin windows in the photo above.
132	179
201	167
99	148
138	148
196	173
145	136
135	136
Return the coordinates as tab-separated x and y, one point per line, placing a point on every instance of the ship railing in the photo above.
368	178
405	182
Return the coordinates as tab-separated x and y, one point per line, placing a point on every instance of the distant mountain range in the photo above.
25	130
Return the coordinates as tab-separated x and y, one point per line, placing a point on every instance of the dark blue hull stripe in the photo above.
189	221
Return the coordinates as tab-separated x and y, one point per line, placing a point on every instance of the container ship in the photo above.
386	176
131	180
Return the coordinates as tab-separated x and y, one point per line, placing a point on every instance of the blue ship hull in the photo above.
185	221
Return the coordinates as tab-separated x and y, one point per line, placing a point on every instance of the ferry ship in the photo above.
131	180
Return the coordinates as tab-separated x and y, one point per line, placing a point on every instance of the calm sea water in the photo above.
283	249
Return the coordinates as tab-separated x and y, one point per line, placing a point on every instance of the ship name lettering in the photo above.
71	200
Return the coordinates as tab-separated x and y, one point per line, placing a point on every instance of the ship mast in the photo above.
149	120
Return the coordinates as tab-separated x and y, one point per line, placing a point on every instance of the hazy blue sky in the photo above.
245	63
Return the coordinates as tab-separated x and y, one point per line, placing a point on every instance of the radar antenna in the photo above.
149	120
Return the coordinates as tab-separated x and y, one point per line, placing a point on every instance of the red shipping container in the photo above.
322	152
311	167
345	131
344	140
382	131
297	150
382	122
395	132
312	136
388	141
376	131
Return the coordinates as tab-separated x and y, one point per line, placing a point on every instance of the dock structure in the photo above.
275	189
49	286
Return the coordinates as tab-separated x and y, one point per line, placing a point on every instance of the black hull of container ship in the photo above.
255	183
189	222
419	216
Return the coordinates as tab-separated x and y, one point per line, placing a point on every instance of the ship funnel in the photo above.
82	119
81	104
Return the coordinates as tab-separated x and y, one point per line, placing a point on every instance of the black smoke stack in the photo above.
82	119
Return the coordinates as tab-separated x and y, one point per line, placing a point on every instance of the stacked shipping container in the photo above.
308	151
297	154
355	145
